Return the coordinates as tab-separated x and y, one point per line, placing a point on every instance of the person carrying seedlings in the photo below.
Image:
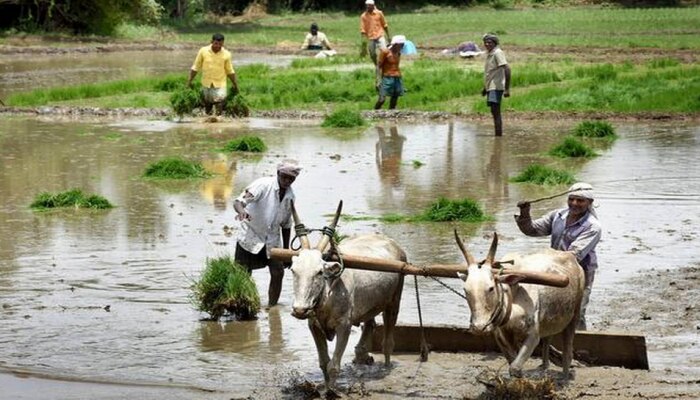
265	209
496	79
389	81
373	27
316	40
215	63
574	228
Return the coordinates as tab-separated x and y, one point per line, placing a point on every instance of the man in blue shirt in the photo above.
575	228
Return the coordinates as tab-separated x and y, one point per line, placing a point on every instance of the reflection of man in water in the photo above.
389	149
264	208
218	188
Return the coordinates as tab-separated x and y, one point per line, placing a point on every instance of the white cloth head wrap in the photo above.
289	167
369	2
581	189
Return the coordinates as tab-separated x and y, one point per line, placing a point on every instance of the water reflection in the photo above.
389	149
218	189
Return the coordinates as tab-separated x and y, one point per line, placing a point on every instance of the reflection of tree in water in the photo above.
389	150
218	189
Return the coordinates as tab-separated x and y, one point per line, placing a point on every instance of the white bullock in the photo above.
519	315
334	299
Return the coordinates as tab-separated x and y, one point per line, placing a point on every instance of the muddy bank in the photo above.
403	115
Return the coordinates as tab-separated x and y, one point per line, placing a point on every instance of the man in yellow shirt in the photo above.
373	26
215	63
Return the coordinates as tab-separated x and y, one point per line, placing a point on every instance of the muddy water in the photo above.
27	72
103	296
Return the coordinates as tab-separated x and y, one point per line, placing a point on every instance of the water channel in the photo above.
103	296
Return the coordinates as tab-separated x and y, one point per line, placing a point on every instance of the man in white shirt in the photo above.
264	209
316	40
496	80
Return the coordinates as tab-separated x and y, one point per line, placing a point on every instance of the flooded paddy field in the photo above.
102	297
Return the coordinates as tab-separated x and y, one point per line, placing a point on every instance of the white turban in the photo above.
398	39
289	167
581	189
369	2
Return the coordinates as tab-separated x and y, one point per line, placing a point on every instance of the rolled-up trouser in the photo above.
213	95
373	45
590	276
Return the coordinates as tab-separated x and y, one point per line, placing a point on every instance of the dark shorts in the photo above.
255	261
494	96
392	86
314	47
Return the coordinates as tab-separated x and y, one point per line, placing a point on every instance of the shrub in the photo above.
71	198
594	129
226	287
542	175
175	168
571	147
343	118
246	143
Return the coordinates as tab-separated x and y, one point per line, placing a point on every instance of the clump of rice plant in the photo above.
245	143
226	288
175	168
184	100
343	118
571	147
465	210
543	175
498	387
595	129
72	198
417	163
236	105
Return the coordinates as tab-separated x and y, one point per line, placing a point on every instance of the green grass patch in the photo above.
572	147
594	129
175	168
417	163
184	100
543	175
245	143
343	118
300	63
226	288
444	210
74	198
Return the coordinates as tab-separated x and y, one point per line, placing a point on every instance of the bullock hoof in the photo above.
363	360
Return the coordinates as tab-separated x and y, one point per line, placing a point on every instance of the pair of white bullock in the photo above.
518	315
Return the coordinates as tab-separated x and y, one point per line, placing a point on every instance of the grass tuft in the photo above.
595	129
572	147
236	105
245	143
343	118
466	210
184	100
226	287
71	198
175	168
543	175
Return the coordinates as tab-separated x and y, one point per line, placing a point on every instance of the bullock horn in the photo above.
492	250
329	230
467	256
300	229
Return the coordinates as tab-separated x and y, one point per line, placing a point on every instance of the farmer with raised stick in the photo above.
574	228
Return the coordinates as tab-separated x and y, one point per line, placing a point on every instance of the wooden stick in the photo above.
555	195
436	270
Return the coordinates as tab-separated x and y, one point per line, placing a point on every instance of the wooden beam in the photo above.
592	348
436	270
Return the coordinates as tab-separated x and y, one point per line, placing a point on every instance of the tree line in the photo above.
103	16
